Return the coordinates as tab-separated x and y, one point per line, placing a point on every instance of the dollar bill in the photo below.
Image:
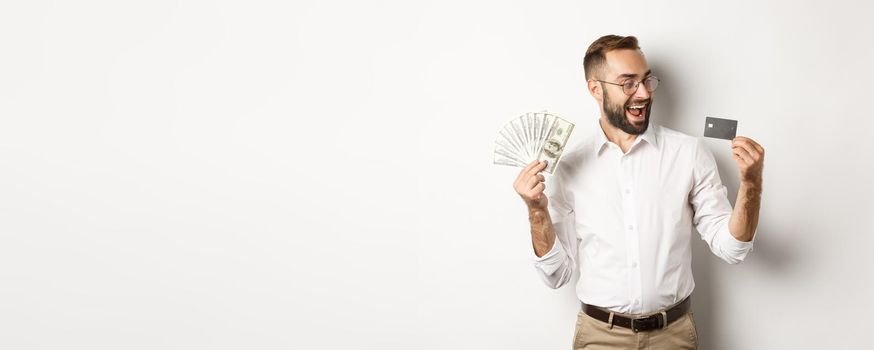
553	146
507	156
532	136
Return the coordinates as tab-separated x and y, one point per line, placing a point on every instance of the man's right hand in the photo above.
530	185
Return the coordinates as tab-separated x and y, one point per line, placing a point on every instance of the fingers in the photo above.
746	140
753	151
758	147
531	169
538	167
750	157
529	183
740	153
537	191
525	170
534	180
748	149
742	162
737	158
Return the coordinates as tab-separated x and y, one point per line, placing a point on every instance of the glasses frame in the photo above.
636	84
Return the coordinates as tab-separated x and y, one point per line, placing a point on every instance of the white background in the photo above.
284	175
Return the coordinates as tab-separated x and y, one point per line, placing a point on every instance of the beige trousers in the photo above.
592	334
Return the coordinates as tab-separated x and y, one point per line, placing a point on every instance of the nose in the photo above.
642	93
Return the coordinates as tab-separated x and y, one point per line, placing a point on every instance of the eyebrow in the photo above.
632	75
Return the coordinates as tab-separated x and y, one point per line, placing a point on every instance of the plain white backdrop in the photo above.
293	175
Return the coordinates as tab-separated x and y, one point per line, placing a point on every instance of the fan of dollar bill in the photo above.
532	136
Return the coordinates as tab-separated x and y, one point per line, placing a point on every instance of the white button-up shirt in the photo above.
624	221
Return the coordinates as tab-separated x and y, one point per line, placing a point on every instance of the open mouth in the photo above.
636	111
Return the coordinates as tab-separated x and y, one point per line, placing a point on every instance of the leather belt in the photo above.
637	324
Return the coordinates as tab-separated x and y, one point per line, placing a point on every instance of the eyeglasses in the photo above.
629	87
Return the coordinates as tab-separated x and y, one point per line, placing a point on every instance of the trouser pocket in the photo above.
693	331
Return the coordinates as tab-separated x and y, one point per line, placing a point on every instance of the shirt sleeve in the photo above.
713	211
557	266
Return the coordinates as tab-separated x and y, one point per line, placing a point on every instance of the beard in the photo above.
616	116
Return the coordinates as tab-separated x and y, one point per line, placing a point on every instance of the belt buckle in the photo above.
647	323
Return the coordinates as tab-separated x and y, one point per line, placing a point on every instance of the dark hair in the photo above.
595	55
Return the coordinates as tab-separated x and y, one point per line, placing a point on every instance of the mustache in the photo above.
630	102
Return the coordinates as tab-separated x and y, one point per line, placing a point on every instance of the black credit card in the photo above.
720	128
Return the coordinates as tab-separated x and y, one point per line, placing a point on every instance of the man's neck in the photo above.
616	135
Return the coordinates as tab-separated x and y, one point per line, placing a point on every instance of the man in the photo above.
621	206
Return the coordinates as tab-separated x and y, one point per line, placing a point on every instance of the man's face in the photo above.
628	113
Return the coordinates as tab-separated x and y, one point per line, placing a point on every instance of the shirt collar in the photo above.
601	139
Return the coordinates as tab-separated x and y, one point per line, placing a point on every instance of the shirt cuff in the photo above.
734	247
552	260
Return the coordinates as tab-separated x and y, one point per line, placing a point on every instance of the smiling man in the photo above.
621	207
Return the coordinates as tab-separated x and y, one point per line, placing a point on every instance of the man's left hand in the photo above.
750	159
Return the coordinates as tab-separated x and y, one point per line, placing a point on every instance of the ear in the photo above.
595	89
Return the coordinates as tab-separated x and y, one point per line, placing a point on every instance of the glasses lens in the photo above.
629	87
651	83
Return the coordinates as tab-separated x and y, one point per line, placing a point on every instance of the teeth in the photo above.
636	107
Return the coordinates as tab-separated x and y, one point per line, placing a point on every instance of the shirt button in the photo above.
634	264
630	227
627	190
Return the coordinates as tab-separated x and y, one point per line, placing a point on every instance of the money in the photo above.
553	147
532	136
